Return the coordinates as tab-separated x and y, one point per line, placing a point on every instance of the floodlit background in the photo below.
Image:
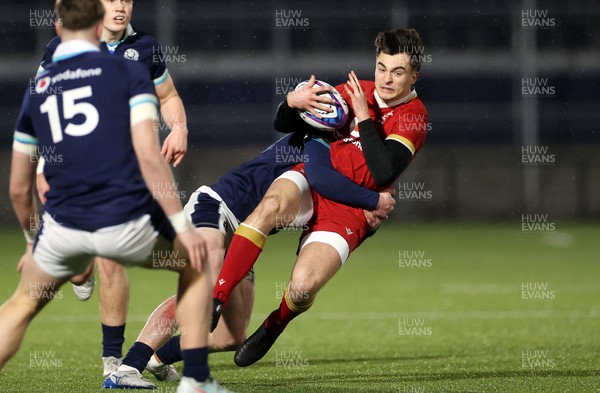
511	90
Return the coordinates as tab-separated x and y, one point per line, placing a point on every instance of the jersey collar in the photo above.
72	48
403	100
128	32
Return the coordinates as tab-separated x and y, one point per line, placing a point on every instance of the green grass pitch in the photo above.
418	308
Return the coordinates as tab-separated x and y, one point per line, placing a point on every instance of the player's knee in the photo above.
270	206
28	305
302	291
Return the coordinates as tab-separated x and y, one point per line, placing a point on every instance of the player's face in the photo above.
117	14
394	76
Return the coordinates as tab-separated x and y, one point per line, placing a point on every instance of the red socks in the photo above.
278	320
246	245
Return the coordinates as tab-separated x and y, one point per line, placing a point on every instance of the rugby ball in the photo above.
329	121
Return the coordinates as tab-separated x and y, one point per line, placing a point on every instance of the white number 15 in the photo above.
70	110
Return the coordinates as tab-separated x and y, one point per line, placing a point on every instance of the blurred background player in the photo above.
120	39
217	211
390	129
95	205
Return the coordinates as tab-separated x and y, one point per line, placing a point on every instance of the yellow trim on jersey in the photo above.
292	306
405	141
253	234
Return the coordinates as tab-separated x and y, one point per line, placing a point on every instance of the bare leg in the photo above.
34	291
114	292
315	265
160	325
193	304
278	207
232	333
229	335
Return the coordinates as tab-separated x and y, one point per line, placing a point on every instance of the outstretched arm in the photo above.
332	184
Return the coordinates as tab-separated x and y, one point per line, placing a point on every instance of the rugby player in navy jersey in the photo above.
100	200
120	39
217	212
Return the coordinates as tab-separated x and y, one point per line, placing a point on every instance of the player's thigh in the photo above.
37	287
317	262
288	201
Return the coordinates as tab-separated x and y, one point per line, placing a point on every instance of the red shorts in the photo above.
349	223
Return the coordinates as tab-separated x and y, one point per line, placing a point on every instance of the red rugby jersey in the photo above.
405	121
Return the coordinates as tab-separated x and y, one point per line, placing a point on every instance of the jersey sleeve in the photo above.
48	52
158	70
142	98
288	120
24	138
410	129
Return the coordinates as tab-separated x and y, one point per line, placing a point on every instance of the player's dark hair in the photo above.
79	14
408	41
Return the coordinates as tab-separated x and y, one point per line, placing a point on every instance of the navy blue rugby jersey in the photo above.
135	45
243	188
78	114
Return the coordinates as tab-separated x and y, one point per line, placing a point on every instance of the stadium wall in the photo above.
443	183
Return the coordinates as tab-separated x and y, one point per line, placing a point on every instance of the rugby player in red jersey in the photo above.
388	130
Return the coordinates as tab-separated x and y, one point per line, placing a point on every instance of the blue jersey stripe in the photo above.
25	138
143	98
162	78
